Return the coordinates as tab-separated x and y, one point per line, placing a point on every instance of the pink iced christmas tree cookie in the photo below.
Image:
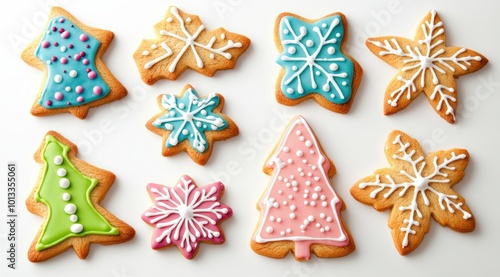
417	187
185	215
300	211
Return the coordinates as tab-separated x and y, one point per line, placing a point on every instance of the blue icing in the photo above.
313	61
188	117
61	43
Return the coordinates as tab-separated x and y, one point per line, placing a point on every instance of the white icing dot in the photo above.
308	183
73	218
324	204
289	90
293	208
310	218
316	178
311	152
145	53
344	83
291	50
324	25
285	203
331	50
323	197
286	149
306	191
313	167
322	215
282	233
285	31
188	20
73	73
70	208
294	68
298	133
280	178
306	222
181	105
68	89
288	230
295	189
306	202
290	197
309	174
322	230
301	138
314	196
198	124
312	203
278	219
299	153
338	35
327	228
329	219
64	183
309	43
318	73
306	195
334	66
276	205
153	46
302	227
63	49
308	143
61	172
317	189
185	132
58	160
212	56
292	177
66	196
318	225
169	19
292	215
280	192
287	185
295	183
290	161
304	161
76	228
58	78
271	218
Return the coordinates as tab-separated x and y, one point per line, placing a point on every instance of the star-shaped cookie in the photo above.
75	77
417	188
182	42
185	215
425	64
191	123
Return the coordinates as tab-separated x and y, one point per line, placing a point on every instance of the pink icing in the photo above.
300	204
97	90
185	215
83	37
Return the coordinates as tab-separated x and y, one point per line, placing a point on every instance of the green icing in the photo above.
58	226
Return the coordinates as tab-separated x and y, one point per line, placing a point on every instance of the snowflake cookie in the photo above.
185	215
300	210
76	79
314	62
415	188
426	65
182	42
191	123
67	195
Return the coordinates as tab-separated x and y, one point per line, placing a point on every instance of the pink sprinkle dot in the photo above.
58	96
65	34
77	57
79	89
54	58
45	44
54	29
56	44
97	90
92	75
61	20
70	46
49	103
79	99
82	54
85	61
64	60
83	37
88	70
61	30
88	46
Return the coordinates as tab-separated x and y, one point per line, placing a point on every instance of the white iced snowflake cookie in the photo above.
426	65
183	42
415	188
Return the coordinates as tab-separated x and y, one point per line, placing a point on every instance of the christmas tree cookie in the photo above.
425	64
300	211
314	62
185	215
76	79
67	196
191	123
183	42
417	187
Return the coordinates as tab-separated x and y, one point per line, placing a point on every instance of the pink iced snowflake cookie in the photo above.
425	64
76	79
185	215
417	187
300	211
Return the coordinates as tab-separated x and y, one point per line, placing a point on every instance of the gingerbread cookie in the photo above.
70	54
67	196
425	64
191	123
182	42
417	188
300	211
314	62
185	215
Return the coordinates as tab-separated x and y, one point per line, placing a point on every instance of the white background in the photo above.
114	137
